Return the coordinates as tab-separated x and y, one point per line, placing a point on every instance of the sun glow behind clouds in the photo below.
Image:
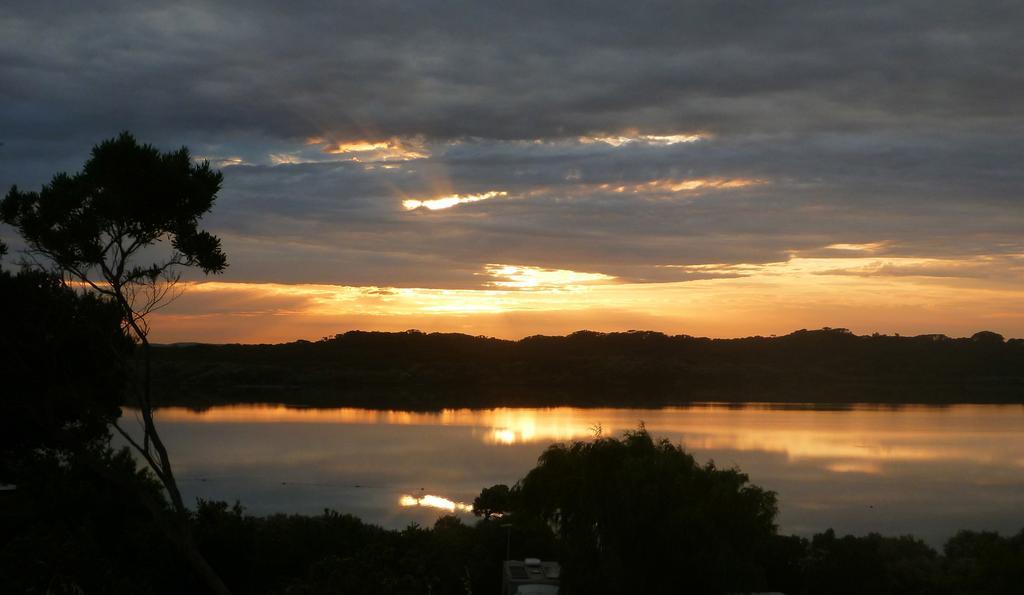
650	139
358	147
372	151
865	293
220	162
686	185
447	202
524	277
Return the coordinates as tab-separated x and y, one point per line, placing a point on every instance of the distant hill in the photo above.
636	368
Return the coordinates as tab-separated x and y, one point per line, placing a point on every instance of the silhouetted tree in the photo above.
491	501
77	516
988	338
985	562
641	516
870	564
100	226
60	353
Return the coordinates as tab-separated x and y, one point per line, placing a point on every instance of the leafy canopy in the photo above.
127	196
59	364
627	510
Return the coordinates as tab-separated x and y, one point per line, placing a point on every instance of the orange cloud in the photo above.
535	278
684	185
518	300
372	151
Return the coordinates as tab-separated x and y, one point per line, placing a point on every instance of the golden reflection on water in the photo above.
432	501
852	440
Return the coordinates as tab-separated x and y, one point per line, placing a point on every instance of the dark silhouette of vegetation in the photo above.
100	228
89	523
416	370
63	384
984	562
75	516
626	511
870	564
493	501
335	553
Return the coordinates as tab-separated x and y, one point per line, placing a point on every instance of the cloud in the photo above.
632	211
447	202
677	142
510	276
729	301
355	70
998	268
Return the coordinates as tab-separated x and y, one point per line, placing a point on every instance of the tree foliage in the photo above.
985	562
870	564
627	510
495	500
77	516
61	354
127	197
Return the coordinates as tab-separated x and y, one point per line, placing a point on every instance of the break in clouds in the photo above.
412	144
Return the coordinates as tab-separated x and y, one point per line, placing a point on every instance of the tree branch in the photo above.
153	464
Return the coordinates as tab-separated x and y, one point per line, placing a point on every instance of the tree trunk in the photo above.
181	533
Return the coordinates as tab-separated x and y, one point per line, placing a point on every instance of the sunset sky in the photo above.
711	168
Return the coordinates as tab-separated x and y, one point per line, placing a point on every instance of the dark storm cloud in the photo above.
893	122
563	211
509	70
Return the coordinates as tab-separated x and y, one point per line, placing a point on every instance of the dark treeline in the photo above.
419	370
334	553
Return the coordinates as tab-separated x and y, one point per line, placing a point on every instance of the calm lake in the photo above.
921	470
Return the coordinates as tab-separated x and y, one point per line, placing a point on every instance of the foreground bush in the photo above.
642	515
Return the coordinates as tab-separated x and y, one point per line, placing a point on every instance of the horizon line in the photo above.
413	331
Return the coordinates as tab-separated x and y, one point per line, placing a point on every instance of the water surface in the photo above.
926	471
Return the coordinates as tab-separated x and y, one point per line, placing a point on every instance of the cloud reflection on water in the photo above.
923	470
857	439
